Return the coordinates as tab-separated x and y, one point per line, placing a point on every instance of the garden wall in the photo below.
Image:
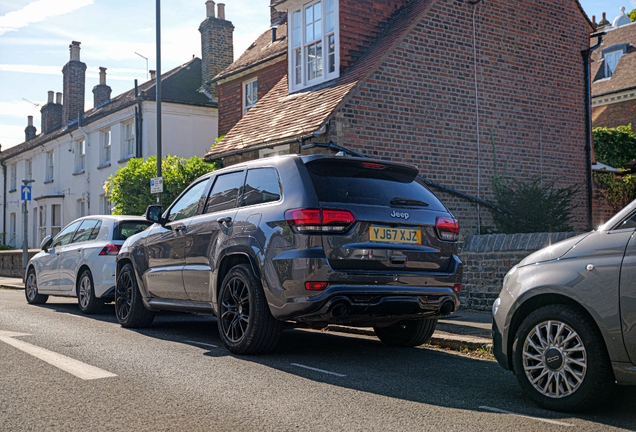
487	259
11	262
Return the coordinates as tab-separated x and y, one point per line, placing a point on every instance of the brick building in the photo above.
614	75
443	84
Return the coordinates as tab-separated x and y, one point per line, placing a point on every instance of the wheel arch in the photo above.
536	302
77	279
230	260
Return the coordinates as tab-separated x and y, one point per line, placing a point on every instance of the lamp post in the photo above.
146	58
26	196
158	93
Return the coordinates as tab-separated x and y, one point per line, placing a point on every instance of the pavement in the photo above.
466	328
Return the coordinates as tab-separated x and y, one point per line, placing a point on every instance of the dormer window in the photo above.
314	49
611	55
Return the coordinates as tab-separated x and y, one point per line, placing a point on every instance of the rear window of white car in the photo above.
126	229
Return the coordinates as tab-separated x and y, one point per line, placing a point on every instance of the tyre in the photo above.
129	308
245	322
31	289
86	300
408	333
560	359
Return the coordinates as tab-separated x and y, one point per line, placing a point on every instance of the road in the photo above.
177	376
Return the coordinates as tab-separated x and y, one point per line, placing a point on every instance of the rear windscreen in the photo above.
355	184
126	229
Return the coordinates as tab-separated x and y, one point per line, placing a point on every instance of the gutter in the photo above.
586	54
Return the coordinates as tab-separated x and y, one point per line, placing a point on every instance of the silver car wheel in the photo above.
31	286
554	359
85	290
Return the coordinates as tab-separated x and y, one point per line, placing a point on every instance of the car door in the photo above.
49	277
208	231
628	292
73	253
165	246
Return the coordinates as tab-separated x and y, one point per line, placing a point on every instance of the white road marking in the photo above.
74	367
318	370
201	343
555	422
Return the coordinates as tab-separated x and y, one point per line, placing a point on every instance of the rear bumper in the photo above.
367	305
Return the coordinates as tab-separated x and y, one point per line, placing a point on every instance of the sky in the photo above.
117	34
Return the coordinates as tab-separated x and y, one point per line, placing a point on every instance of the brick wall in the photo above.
419	107
488	258
51	117
616	114
231	93
360	23
11	262
74	88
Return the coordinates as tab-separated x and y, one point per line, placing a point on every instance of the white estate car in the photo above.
80	261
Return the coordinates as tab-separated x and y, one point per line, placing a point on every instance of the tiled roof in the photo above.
624	76
179	85
262	50
282	117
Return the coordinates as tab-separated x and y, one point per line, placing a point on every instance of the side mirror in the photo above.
46	243
153	214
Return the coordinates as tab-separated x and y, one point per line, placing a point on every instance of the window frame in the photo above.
105	147
128	142
616	56
80	156
246	104
13	178
50	167
56	225
28	169
301	49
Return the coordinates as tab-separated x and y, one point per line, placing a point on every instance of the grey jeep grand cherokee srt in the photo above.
309	239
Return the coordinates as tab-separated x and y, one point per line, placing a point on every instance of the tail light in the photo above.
319	221
447	228
110	249
457	288
316	286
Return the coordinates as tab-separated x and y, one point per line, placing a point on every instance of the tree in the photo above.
614	146
632	15
129	187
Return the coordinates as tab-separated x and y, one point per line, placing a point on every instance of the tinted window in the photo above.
261	186
628	223
224	192
85	230
354	184
186	205
126	229
64	237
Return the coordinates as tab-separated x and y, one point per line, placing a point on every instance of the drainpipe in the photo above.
138	124
586	53
4	203
80	117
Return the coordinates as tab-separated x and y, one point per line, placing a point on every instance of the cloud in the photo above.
118	74
11	135
38	11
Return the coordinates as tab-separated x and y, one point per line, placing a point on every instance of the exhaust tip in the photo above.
339	310
447	308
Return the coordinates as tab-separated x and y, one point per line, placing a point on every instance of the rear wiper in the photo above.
408	202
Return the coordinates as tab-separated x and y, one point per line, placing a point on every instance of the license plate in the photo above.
395	235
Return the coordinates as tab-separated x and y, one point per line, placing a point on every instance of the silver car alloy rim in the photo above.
85	291
31	287
554	359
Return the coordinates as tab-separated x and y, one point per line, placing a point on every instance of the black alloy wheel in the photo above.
129	307
31	289
245	322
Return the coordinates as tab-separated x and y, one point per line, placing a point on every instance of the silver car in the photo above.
565	320
80	261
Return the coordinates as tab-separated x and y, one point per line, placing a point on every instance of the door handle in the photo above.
224	220
179	227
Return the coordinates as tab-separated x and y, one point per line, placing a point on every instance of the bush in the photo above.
619	191
614	146
531	206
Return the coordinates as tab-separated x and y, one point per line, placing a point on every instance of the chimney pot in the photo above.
75	50
153	75
604	15
30	121
221	11
30	131
102	75
50	96
58	98
209	9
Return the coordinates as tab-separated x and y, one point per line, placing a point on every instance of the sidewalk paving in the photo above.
466	328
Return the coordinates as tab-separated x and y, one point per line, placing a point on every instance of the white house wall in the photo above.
186	131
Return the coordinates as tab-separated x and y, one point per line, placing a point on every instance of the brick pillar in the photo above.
51	114
30	130
101	92
74	85
217	47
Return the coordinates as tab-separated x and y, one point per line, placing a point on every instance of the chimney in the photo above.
101	92
52	114
58	98
275	14
153	75
217	47
74	85
604	22
30	130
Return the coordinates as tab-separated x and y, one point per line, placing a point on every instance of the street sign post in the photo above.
156	185
26	193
